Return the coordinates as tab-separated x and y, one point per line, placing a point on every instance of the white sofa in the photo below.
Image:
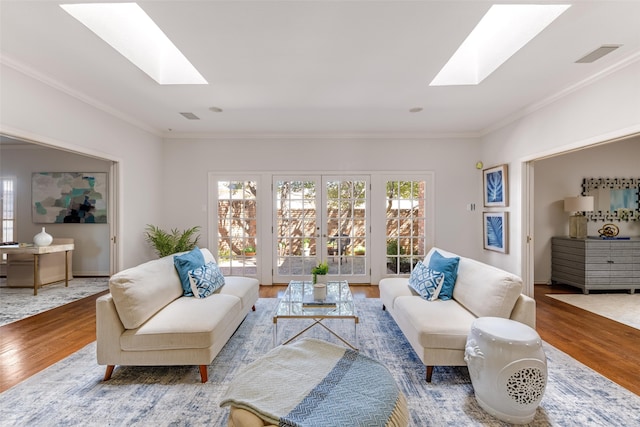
437	330
146	320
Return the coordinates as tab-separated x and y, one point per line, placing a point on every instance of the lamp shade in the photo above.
578	204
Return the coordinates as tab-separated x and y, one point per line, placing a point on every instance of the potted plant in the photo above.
320	270
167	243
359	250
306	250
249	251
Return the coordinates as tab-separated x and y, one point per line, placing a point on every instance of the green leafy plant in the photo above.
249	250
319	270
167	243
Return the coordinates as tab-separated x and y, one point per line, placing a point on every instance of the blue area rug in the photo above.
72	393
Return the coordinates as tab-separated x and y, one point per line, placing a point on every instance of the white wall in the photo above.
188	162
36	111
169	189
562	176
606	109
91	254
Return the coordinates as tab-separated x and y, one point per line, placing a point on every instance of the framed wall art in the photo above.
495	231
69	197
495	186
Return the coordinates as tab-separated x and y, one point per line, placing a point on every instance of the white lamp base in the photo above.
578	226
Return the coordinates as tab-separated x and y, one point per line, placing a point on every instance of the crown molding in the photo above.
318	136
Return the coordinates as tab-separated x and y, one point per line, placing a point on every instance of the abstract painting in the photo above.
495	186
69	197
495	231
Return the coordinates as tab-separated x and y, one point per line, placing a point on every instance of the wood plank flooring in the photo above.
610	348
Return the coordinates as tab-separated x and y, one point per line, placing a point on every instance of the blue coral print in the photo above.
495	190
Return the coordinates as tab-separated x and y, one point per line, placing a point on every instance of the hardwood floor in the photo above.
610	348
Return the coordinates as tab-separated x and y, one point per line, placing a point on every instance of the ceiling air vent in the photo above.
190	116
603	50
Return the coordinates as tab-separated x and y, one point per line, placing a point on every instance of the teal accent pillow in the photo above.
448	266
426	282
206	280
185	263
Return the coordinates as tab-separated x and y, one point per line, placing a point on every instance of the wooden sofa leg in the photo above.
204	376
253	308
429	373
108	372
384	308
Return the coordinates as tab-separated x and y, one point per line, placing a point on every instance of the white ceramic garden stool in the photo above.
508	368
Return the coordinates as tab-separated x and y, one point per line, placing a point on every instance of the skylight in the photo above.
130	31
503	30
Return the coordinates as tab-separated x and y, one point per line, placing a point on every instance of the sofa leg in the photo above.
429	373
108	372
253	308
384	308
204	376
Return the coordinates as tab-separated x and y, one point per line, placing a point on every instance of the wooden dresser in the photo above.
595	263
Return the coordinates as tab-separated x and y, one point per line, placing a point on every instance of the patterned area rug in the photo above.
19	303
621	307
71	392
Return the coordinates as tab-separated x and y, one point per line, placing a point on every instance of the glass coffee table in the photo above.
298	303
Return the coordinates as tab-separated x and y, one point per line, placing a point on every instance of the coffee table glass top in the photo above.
297	301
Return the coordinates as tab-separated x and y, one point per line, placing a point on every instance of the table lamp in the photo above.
578	222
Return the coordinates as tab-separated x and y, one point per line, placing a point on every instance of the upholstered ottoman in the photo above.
508	368
314	383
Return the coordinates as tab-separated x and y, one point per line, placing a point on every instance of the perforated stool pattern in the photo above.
508	368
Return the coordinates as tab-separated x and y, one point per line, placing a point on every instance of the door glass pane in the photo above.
346	220
237	228
405	233
296	226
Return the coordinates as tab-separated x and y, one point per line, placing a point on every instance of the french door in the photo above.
321	218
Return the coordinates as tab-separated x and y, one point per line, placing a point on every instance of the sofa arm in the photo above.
524	311
109	328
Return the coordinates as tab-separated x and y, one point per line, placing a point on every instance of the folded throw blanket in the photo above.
314	383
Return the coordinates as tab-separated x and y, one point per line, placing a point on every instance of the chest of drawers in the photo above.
594	263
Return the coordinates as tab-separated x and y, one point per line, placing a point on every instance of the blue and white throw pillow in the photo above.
206	280
426	282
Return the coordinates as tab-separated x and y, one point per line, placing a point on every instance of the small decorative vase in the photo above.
42	239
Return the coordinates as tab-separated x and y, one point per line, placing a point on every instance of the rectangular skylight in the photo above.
130	31
503	30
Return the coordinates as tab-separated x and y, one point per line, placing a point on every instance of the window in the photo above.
237	227
406	216
7	209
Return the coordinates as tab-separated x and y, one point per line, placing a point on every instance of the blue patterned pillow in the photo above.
206	280
426	282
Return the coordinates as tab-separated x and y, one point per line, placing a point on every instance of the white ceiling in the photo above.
316	67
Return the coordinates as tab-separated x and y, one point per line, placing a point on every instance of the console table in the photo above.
595	263
40	250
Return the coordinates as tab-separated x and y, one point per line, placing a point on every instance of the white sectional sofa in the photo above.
437	330
146	320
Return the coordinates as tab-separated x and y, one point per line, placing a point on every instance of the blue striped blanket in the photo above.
315	383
